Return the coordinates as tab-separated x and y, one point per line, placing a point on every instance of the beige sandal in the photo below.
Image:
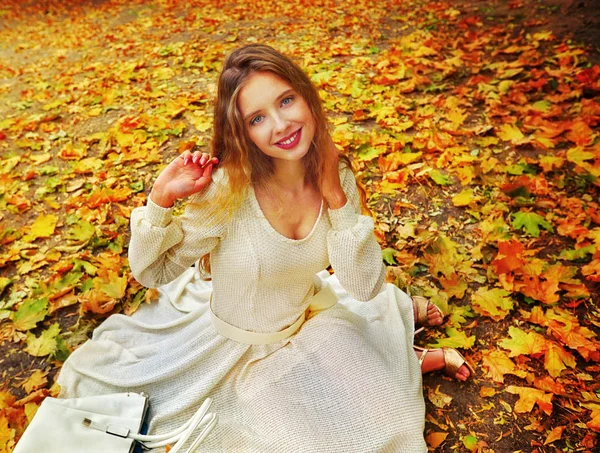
422	304
453	360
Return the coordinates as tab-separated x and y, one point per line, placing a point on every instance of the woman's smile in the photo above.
278	120
290	141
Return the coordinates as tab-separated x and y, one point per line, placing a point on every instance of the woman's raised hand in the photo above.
184	176
332	187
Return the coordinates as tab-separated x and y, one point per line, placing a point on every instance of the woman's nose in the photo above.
280	123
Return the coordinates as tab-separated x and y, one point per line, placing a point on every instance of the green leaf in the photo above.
579	254
470	442
456	339
44	344
440	178
89	268
30	313
81	232
388	256
530	222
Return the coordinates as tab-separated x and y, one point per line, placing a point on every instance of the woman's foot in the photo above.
426	313
449	360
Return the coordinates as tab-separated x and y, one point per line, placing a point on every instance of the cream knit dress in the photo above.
347	381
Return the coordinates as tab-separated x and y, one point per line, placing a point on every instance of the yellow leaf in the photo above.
457	116
577	155
513	134
37	380
464	198
113	286
523	343
45	344
499	364
494	303
30	410
438	398
7	436
487	392
557	359
43	227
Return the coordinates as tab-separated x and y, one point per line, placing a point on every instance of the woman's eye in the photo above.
256	120
287	100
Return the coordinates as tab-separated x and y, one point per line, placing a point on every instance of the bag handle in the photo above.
179	435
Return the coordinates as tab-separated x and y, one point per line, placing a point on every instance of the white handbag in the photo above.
103	424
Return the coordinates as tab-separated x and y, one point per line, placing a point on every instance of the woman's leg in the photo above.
434	315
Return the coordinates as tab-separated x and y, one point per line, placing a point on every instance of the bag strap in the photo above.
179	435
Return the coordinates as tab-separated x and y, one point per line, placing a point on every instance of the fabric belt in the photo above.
324	299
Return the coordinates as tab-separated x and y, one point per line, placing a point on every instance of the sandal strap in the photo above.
453	361
421	303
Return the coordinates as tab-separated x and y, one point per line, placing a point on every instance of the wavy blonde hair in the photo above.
241	160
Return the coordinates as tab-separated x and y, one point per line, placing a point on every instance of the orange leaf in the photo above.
499	364
454	286
434	440
592	271
529	397
555	434
557	359
580	134
509	257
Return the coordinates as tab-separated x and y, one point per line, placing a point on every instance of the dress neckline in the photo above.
271	228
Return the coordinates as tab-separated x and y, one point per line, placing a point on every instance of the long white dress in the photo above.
347	381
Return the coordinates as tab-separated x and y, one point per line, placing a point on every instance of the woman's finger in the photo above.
186	156
196	157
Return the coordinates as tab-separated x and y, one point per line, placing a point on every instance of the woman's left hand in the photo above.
332	187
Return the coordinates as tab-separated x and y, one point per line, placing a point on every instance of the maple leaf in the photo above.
523	343
45	344
7	436
557	359
591	271
454	286
499	364
509	257
530	222
456	339
510	133
529	397
494	302
43	227
29	314
465	198
36	381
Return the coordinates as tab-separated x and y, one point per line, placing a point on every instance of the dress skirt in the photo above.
346	381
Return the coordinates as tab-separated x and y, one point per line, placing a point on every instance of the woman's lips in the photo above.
290	141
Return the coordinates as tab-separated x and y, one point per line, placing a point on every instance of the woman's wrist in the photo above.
161	199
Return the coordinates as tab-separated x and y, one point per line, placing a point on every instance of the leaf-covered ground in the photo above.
473	126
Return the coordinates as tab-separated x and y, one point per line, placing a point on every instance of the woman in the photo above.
293	358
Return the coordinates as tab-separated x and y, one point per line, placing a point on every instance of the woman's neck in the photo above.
289	176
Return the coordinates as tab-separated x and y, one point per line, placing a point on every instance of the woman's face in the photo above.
278	120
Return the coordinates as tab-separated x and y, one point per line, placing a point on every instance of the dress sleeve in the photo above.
354	253
163	246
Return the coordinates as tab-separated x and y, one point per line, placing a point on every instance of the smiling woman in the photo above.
294	359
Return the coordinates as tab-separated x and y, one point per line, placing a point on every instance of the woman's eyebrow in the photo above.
282	95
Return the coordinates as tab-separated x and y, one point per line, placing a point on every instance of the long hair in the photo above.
239	157
243	162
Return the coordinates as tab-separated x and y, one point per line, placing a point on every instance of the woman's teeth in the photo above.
289	140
